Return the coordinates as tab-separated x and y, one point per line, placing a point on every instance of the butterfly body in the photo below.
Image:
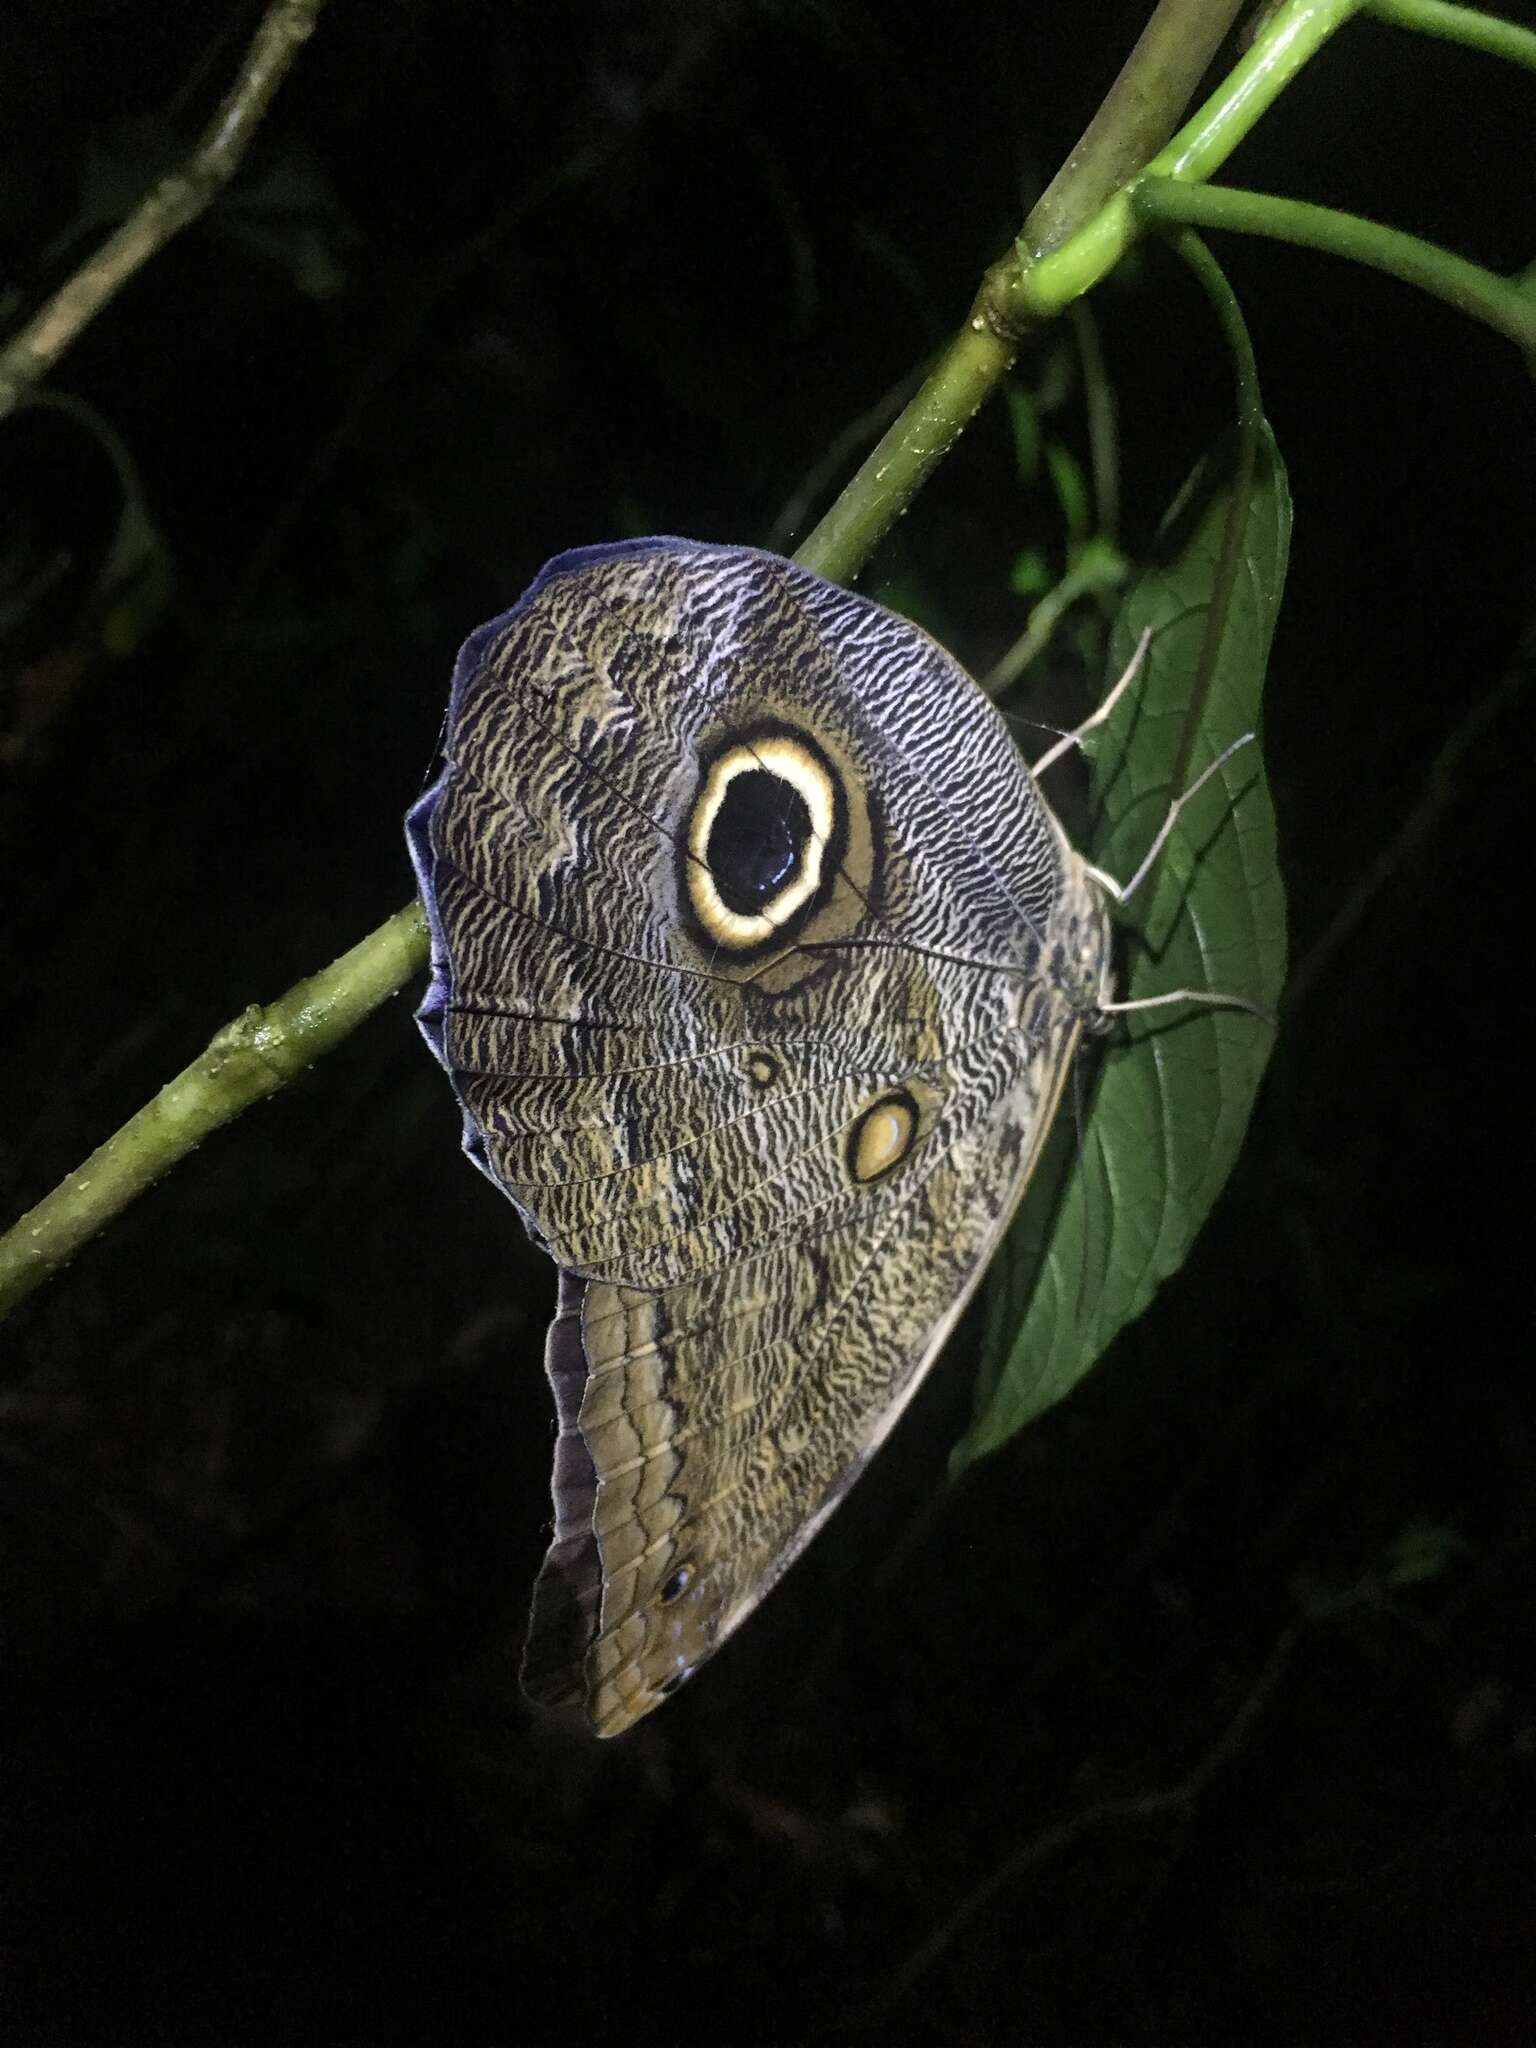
758	965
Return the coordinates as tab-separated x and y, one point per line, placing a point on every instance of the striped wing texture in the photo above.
757	962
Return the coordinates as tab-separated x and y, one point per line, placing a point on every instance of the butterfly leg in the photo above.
1122	891
1076	736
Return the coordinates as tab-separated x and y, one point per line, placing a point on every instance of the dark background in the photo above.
273	1455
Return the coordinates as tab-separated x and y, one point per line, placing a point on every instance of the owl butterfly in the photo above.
758	963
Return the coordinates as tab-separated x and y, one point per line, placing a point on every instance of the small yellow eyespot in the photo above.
882	1137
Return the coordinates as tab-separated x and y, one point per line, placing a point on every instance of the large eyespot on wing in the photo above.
764	840
977	862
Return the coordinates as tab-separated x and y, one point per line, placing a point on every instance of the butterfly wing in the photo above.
757	963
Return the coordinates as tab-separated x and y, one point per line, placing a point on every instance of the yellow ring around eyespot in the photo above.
882	1137
798	767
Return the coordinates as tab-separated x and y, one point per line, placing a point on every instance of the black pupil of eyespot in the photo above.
676	1584
756	840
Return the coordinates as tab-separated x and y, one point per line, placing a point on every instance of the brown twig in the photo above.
1041	1848
173	203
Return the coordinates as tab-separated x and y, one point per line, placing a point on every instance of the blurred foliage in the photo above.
287	214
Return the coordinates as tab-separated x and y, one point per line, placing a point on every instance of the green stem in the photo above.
1496	301
1469	25
1148	97
1293	33
1098	567
264	1048
1250	419
1099	413
1290	36
251	1057
905	455
1135	118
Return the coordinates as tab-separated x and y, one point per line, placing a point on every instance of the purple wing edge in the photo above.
438	997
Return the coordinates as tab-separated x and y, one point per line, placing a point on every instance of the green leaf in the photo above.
1422	1551
1108	1220
1097	567
289	214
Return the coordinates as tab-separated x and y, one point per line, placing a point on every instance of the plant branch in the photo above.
1137	116
1040	288
1150	94
172	204
1496	301
263	1048
1098	566
1175	1799
251	1057
1099	417
904	457
1487	32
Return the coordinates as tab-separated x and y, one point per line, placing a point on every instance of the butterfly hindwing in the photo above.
757	961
